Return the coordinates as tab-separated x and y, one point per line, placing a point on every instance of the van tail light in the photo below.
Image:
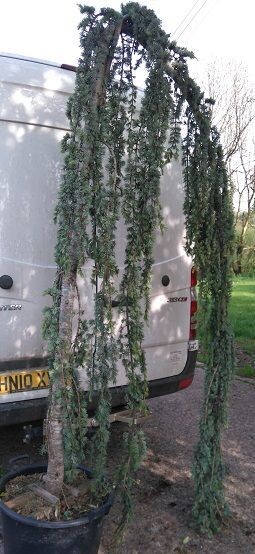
193	277
193	305
184	383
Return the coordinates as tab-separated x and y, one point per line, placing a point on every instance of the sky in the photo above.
222	29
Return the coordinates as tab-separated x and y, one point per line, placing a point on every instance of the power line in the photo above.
186	16
207	11
192	19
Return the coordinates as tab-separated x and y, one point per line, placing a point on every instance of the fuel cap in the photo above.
6	282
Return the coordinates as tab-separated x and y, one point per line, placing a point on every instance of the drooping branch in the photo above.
115	155
70	251
209	221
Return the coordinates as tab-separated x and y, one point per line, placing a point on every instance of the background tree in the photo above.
234	115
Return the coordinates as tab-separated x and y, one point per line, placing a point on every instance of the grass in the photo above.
246	371
242	317
242	309
248	345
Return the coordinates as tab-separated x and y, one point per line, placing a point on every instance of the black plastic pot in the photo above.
25	535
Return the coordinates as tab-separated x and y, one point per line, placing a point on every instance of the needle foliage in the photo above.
115	153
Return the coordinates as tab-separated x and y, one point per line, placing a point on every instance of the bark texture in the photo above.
55	421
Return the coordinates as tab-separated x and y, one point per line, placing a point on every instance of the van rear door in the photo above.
33	100
32	122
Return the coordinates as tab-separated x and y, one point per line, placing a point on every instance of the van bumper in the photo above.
12	413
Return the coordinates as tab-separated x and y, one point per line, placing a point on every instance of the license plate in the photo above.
18	381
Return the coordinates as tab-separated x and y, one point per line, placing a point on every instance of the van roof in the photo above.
22	71
36	60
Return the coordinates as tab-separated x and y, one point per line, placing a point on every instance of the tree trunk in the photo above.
54	422
238	268
54	428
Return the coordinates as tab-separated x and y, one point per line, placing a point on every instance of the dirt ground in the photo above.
164	492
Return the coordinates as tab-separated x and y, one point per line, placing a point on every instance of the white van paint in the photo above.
33	98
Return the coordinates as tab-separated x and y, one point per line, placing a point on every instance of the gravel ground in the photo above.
164	492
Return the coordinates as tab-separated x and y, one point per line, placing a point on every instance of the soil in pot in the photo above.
26	495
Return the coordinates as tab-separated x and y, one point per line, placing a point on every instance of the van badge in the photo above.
10	307
178	299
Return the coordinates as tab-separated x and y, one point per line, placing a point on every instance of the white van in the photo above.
33	96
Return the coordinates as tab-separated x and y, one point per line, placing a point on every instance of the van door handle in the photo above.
115	303
121	302
6	282
165	280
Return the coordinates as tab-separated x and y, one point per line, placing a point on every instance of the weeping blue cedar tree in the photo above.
115	153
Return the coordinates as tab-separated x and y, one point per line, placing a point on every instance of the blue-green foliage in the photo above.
209	221
115	154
